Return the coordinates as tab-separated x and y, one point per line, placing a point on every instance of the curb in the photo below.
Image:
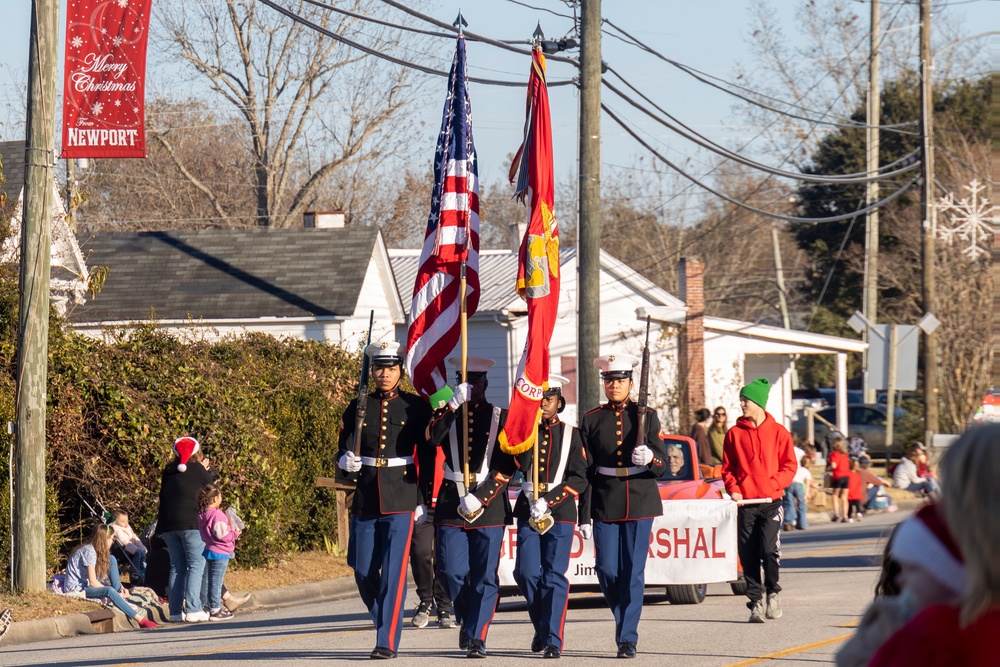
71	625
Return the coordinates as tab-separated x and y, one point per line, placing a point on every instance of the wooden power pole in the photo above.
589	234
874	115
929	221
33	313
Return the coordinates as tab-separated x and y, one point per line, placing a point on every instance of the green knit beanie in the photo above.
757	391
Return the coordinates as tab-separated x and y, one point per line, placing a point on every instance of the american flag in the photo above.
452	238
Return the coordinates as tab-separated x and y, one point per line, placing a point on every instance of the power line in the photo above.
704	142
704	78
776	216
398	61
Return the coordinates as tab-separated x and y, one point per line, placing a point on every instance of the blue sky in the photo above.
710	35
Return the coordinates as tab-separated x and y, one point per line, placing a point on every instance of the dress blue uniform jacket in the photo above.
609	434
492	489
394	427
560	497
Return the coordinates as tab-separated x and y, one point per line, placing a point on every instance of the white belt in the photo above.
386	463
459	478
621	472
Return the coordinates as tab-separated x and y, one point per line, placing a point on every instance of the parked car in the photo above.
854	396
865	420
693	481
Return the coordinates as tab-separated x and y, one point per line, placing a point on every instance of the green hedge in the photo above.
266	412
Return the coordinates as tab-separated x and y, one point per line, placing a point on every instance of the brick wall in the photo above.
691	279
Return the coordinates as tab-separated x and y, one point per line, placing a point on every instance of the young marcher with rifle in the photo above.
626	457
555	472
380	434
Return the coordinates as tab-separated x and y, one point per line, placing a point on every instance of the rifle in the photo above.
640	435
363	389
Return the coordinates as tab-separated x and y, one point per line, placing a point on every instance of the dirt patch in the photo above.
300	568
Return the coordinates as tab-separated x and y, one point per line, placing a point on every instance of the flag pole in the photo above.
464	323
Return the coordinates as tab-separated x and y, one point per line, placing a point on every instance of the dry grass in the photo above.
296	569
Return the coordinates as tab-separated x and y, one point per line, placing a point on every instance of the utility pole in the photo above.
33	312
589	234
929	221
873	116
780	277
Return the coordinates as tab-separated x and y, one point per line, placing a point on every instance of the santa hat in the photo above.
924	540
185	447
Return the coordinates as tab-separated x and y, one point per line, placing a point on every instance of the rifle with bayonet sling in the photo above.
640	436
359	419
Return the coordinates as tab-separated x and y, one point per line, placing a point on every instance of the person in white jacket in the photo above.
905	476
126	538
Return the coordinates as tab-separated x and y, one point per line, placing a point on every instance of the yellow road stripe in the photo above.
832	550
246	646
790	651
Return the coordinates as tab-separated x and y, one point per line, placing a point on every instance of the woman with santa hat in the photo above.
177	524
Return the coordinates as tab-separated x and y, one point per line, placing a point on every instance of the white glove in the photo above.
419	515
349	462
539	508
642	455
469	504
586	530
461	395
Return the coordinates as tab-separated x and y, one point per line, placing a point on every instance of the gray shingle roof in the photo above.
227	274
12	158
497	277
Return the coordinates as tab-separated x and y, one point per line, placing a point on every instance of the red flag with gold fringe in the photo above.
538	263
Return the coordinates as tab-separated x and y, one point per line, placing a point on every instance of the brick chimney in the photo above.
691	367
323	219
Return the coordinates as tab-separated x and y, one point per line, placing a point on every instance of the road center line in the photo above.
791	651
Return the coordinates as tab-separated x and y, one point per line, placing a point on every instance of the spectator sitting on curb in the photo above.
905	476
873	485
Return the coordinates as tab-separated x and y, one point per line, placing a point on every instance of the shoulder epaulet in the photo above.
599	407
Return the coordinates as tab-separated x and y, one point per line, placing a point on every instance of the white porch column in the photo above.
842	393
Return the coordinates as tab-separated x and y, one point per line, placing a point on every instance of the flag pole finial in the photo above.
460	22
538	34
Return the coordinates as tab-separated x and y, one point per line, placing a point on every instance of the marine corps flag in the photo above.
538	263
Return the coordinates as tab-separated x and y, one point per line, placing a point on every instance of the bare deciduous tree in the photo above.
290	88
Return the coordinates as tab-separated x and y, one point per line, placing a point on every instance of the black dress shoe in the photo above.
477	649
463	639
536	644
382	653
551	652
626	650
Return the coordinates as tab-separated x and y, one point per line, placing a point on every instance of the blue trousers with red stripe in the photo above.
469	559
379	552
540	573
620	549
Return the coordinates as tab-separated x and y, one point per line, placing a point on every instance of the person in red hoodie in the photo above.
758	463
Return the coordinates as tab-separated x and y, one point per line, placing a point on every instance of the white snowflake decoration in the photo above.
77	42
97	107
970	219
123	3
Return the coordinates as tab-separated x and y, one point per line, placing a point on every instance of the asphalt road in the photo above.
827	575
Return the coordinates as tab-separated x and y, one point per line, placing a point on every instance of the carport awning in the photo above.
785	341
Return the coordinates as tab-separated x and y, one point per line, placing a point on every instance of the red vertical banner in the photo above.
105	79
538	263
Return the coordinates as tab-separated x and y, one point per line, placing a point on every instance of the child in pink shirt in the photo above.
219	536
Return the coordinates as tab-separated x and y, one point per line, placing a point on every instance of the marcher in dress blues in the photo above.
543	558
468	552
387	499
624	466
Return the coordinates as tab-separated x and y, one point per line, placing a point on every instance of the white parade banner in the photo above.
694	542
